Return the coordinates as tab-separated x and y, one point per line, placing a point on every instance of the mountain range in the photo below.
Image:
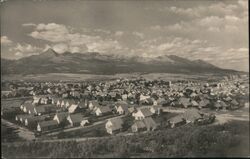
96	63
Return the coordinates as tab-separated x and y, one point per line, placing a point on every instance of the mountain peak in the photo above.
49	53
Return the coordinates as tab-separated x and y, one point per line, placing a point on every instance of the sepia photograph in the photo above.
124	78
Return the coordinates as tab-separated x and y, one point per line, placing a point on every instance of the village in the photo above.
120	106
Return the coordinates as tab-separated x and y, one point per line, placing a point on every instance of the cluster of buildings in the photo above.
55	104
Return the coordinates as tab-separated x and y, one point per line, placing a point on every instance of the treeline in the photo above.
186	141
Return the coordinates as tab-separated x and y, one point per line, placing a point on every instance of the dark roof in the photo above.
149	122
105	109
192	114
76	118
116	123
176	119
47	123
146	112
62	115
139	124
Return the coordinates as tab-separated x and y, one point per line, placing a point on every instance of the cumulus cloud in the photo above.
28	24
5	40
138	34
23	50
65	39
119	33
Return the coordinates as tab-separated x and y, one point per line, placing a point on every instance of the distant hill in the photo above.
95	63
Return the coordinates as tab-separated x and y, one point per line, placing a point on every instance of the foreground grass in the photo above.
230	139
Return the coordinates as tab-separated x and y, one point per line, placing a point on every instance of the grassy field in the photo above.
85	77
225	140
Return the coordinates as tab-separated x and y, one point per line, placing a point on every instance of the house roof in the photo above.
176	119
116	123
40	109
234	102
76	118
62	115
139	124
47	123
37	118
194	103
149	122
146	112
73	107
192	114
204	102
184	101
105	109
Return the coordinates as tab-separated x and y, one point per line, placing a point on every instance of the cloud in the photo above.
28	24
23	50
119	33
6	41
138	34
66	39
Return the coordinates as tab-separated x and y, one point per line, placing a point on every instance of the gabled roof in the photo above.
149	122
105	109
146	112
62	115
76	118
40	109
192	114
204	102
73	107
47	123
116	123
234	102
139	124
184	101
176	119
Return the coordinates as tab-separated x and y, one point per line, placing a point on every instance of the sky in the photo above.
215	31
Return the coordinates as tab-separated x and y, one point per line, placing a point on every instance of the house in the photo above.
28	108
139	125
191	115
84	122
142	113
93	104
176	121
194	103
150	124
146	124
73	108
82	104
185	102
155	109
75	119
32	121
102	110
69	103
27	102
217	105
122	109
204	103
60	117
22	117
114	125
47	125
44	109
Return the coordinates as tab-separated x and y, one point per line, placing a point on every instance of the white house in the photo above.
142	113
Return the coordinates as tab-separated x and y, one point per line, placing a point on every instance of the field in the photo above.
223	140
85	77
